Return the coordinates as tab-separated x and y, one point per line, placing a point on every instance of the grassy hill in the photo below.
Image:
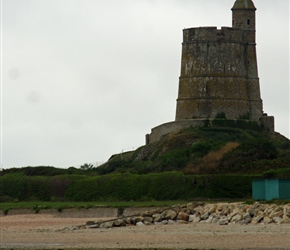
208	150
209	162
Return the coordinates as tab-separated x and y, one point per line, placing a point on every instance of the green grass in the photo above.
63	205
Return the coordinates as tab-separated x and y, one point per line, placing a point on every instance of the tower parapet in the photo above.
212	34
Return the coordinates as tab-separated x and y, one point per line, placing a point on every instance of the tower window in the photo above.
248	21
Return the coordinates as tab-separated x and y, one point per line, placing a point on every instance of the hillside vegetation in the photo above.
210	162
215	150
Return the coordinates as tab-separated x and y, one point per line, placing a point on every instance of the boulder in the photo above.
226	210
212	209
267	220
191	205
216	219
271	208
258	218
148	219
128	220
164	222
247	218
204	216
177	208
157	217
90	226
219	207
183	216
198	210
136	219
140	224
236	218
252	211
277	220
119	223
193	218
223	221
278	212
168	215
286	210
210	219
107	224
286	219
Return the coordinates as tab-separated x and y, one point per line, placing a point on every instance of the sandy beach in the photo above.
45	231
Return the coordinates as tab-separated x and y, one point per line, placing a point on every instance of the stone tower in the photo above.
219	70
219	75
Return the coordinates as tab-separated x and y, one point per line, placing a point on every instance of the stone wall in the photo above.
166	128
268	122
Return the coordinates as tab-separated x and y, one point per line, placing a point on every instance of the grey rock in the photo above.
223	221
286	210
247	218
191	218
267	220
286	219
253	212
236	218
164	222
107	224
212	209
90	226
148	219
157	217
135	220
277	220
119	223
204	216
258	219
169	215
215	219
210	219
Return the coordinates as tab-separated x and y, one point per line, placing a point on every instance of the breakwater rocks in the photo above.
221	213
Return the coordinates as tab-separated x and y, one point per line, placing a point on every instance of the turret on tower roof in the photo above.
244	4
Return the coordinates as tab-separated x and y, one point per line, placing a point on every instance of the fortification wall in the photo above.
158	132
268	123
169	127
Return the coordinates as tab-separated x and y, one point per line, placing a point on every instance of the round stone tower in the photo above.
219	70
219	75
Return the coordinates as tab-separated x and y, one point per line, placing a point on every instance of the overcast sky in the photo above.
85	79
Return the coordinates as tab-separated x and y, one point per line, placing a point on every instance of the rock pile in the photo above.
221	213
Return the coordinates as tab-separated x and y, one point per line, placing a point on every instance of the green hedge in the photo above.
125	187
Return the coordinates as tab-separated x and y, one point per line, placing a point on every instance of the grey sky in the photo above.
85	79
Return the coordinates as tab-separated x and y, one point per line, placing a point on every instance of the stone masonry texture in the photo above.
219	69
